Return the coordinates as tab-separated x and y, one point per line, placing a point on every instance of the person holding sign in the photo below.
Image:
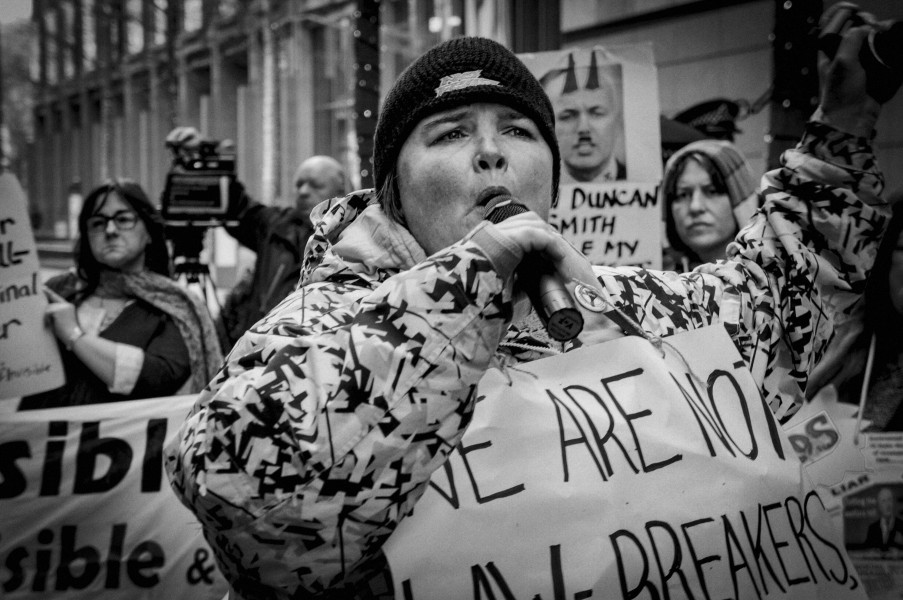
129	331
325	424
708	193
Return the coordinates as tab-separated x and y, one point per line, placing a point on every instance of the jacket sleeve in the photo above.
795	271
321	434
166	364
800	266
814	242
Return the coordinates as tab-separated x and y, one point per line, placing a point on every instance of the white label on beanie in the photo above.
458	81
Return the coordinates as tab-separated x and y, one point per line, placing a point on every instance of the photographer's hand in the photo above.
184	137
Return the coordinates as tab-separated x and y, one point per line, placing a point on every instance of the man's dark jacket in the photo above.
278	235
873	538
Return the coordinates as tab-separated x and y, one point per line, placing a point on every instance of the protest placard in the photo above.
643	476
611	223
858	476
605	100
29	356
869	512
88	511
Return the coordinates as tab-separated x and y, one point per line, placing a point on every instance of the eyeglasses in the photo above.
123	219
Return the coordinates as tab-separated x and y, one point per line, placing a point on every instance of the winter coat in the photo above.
325	424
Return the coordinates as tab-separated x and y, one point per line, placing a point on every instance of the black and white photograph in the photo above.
451	299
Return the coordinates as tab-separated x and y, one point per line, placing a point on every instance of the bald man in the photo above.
318	178
278	235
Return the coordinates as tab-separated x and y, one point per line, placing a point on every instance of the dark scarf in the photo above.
188	313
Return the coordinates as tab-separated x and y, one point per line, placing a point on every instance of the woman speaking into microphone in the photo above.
321	431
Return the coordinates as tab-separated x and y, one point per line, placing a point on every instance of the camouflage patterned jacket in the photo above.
321	430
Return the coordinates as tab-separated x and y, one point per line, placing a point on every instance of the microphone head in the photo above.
505	209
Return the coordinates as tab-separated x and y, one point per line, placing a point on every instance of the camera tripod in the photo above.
194	272
188	241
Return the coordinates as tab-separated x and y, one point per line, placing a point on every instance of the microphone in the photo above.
543	285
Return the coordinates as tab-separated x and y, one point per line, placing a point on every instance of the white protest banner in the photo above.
610	472
29	357
605	100
88	511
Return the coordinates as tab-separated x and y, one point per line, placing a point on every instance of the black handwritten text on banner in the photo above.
629	477
87	508
613	223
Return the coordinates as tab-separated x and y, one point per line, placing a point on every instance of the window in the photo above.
333	93
194	15
134	27
67	38
410	27
89	37
160	9
51	46
227	9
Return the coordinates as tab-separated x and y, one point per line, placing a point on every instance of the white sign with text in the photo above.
615	223
29	356
607	123
88	511
616	472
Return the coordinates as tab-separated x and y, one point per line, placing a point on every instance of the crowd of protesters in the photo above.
368	310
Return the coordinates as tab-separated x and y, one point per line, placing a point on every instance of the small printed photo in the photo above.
873	521
588	101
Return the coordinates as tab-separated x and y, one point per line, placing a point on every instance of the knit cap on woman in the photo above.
460	71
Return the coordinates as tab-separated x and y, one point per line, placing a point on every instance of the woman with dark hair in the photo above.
709	193
129	331
866	358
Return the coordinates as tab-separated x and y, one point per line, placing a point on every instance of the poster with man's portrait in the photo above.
589	119
605	102
873	520
867	503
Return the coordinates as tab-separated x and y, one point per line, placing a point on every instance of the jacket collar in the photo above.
353	234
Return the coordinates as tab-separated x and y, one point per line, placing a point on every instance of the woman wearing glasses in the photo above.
129	331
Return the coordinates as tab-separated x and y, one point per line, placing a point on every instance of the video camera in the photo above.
199	183
199	194
881	55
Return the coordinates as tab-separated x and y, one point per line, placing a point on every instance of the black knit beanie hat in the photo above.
460	71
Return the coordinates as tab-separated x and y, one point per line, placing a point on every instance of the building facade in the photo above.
286	79
283	79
